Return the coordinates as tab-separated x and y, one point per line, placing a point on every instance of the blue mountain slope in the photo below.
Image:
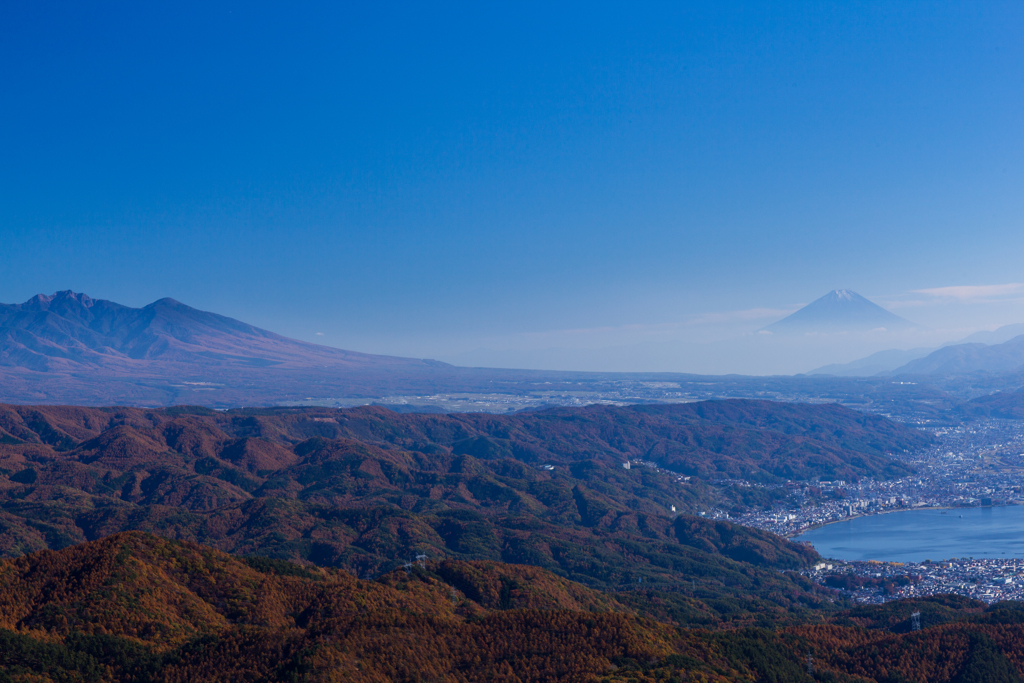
876	363
965	359
840	310
68	331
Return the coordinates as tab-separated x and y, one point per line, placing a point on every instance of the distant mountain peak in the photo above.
43	302
72	340
969	358
841	310
168	301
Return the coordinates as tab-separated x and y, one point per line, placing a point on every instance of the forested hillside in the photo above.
135	607
762	440
371	546
367	490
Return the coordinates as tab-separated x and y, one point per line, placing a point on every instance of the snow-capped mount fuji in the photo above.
841	310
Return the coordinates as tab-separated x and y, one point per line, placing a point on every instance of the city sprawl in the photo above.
978	464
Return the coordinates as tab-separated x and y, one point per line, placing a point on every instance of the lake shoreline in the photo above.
884	512
992	531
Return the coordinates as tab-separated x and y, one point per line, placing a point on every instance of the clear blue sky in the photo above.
431	180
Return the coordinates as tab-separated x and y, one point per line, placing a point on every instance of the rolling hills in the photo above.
368	489
541	557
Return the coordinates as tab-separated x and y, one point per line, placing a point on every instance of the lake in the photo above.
916	535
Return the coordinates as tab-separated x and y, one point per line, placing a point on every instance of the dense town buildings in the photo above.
977	464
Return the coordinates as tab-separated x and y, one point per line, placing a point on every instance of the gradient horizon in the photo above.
600	183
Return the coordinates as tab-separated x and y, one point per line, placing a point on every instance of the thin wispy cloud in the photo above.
701	328
705	319
970	292
740	316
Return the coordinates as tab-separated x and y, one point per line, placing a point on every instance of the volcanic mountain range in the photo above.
69	331
71	348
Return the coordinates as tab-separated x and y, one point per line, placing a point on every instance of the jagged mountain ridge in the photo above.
68	329
68	348
841	310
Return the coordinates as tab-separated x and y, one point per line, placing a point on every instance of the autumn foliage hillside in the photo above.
367	489
732	438
136	607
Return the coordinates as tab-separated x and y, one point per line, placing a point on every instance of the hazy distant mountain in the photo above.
893	359
69	330
996	336
841	310
962	359
876	363
71	348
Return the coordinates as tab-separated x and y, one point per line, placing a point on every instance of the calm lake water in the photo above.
916	535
